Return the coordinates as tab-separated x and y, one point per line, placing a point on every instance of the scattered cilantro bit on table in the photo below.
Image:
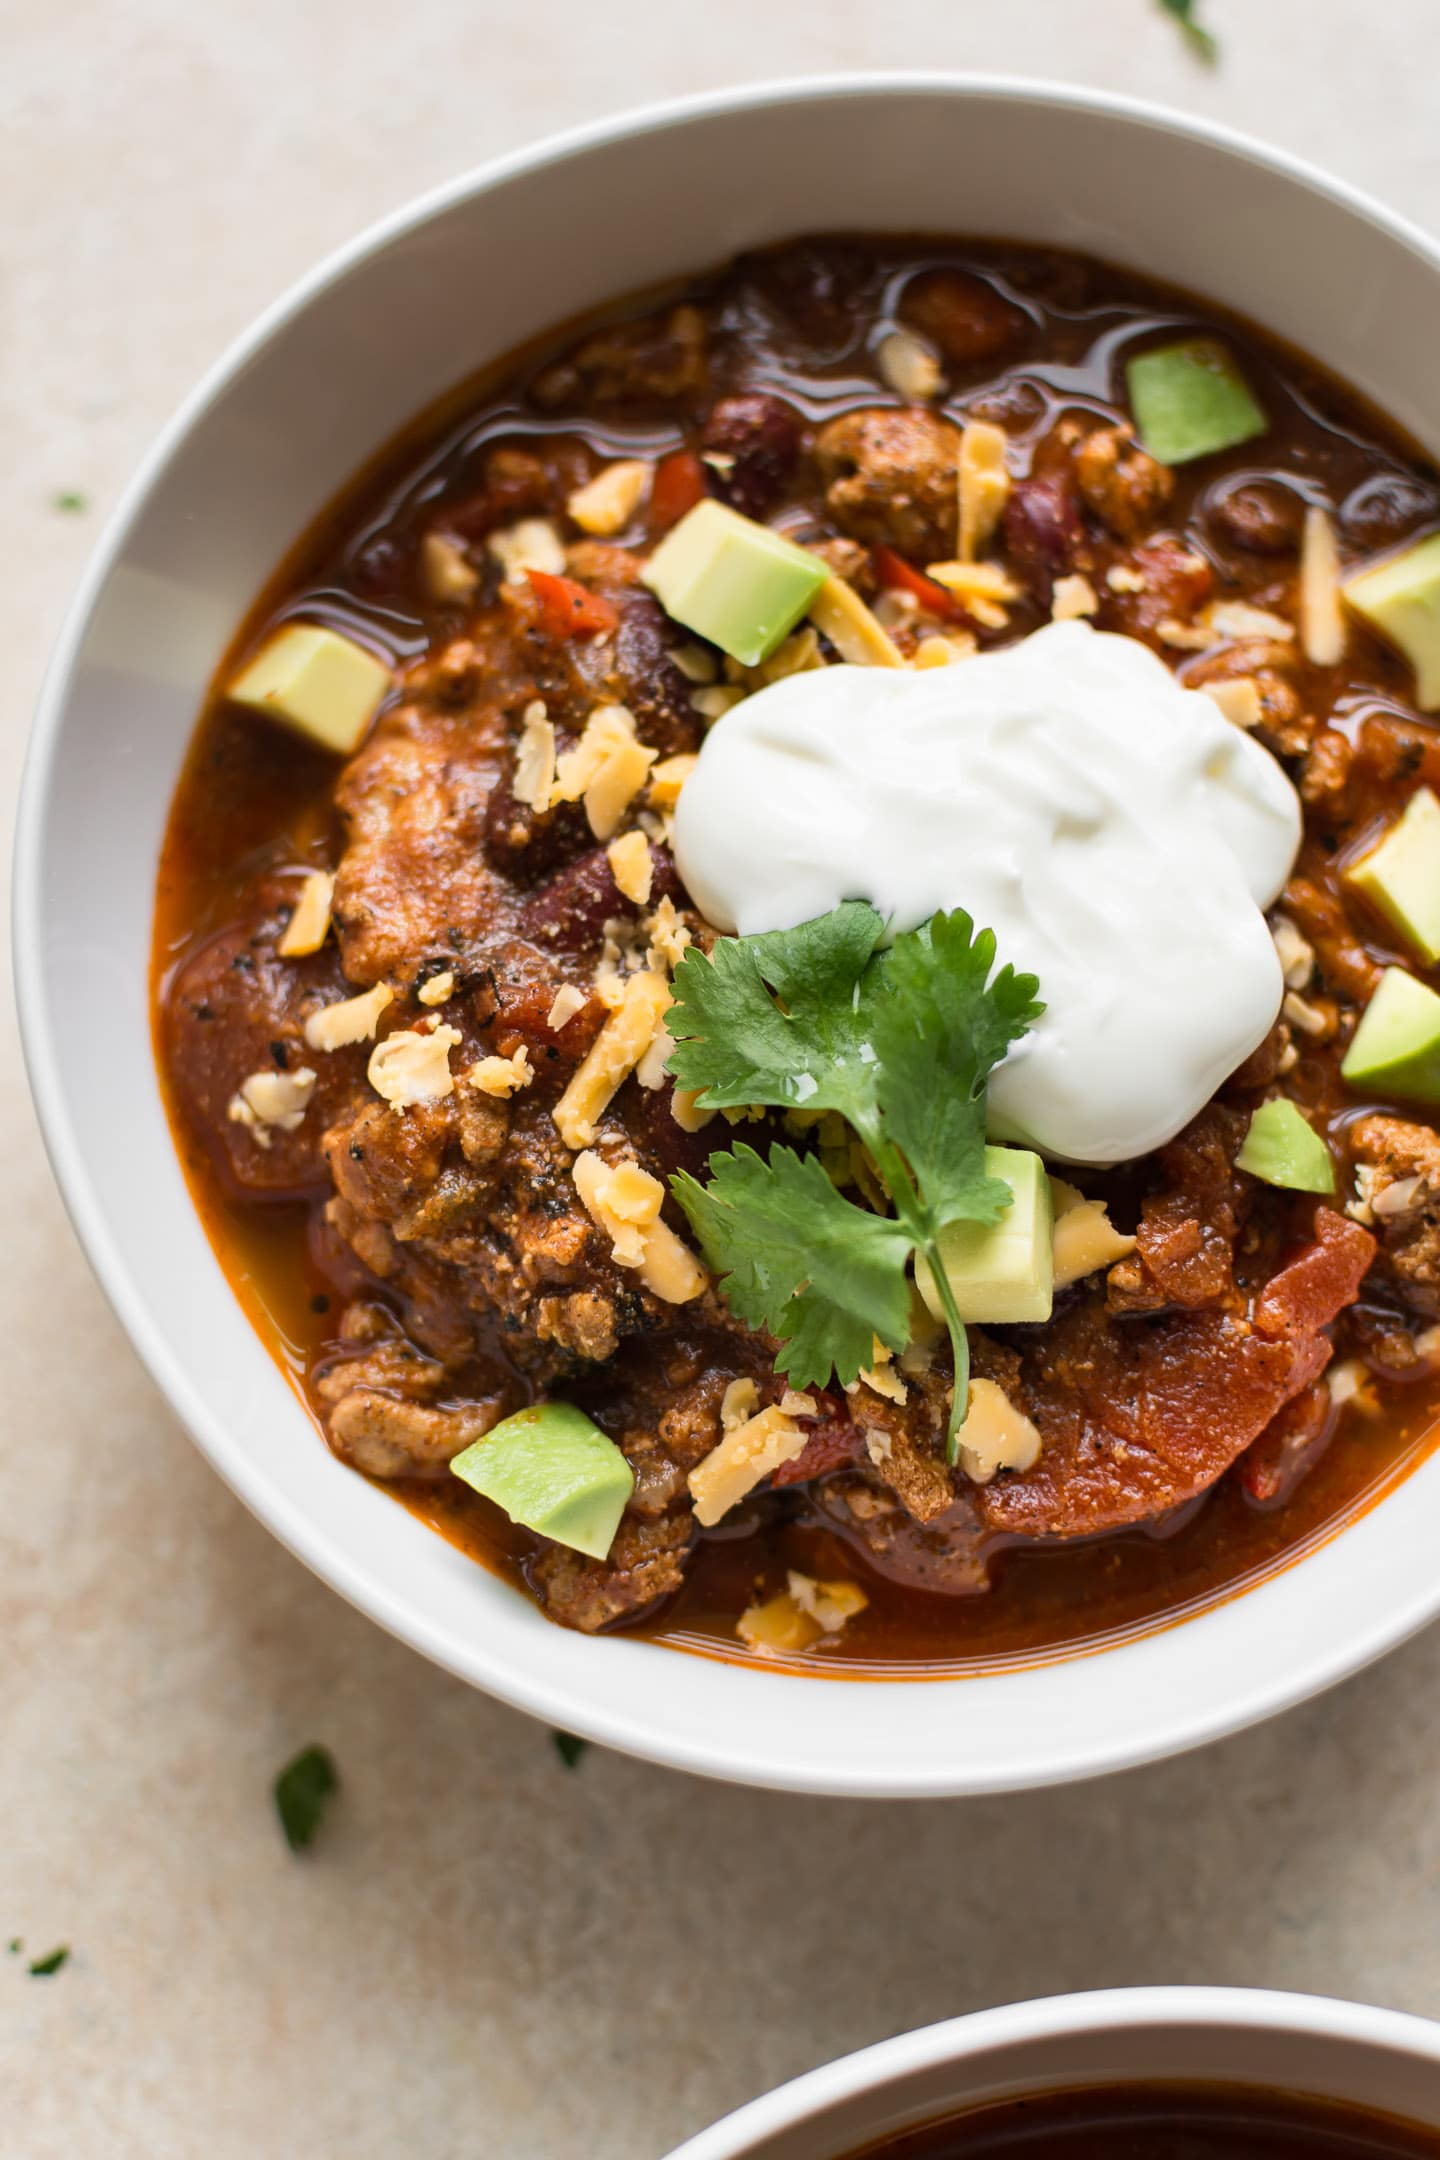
15	1945
901	1042
70	501
41	1968
1202	42
303	1791
569	1748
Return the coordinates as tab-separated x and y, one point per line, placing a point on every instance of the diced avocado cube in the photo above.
1401	599
1001	1272
1190	400
553	1472
1396	1048
1283	1148
324	685
1401	877
732	581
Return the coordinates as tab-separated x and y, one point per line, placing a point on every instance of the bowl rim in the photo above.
567	1705
955	2040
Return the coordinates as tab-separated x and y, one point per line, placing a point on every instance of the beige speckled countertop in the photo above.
488	1954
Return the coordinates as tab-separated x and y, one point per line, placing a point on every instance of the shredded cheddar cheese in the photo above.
607	768
1073	598
1322	618
745	1455
502	1075
568	1001
445	570
1238	699
611	1058
983	589
944	650
530	544
534	780
1084	1238
269	1102
410	1068
801	1615
668	777
624	1202
984	486
668	937
309	926
909	367
838	611
995	1435
740	1401
650	1072
352	1020
606	504
632	866
1238	619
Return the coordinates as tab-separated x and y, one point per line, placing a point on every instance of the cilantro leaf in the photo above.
1202	42
303	1791
801	1260
70	501
811	1050
938	1030
42	1967
569	1747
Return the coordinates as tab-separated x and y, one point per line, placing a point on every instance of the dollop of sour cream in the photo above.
1118	835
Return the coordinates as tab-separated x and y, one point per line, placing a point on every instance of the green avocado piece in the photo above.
1401	877
732	581
1283	1148
1001	1272
1401	599
1396	1048
553	1472
1190	400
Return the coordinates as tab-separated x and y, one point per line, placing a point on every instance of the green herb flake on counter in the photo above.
1202	42
303	1791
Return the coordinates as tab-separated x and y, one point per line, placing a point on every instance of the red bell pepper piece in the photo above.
679	484
897	576
569	610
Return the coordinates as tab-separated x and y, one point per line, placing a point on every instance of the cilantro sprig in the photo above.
303	1791
901	1042
1202	42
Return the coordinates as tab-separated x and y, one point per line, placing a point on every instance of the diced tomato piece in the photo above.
1320	1282
897	575
834	1441
1273	1465
569	610
679	484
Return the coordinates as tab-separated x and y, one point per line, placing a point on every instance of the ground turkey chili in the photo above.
378	975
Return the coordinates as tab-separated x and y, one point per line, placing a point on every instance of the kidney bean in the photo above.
569	913
967	318
762	434
1260	516
1042	532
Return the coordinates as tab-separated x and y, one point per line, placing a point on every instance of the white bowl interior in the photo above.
1285	2043
325	380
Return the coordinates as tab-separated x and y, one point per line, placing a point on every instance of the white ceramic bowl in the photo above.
1301	2044
283	421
